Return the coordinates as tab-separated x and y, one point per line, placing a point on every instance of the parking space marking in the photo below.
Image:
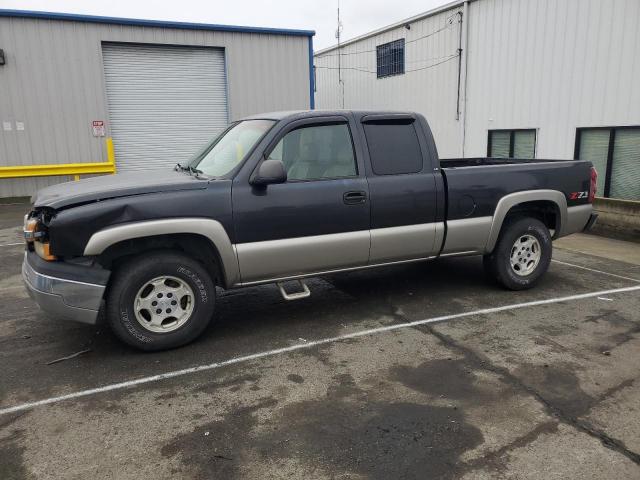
11	244
301	346
596	271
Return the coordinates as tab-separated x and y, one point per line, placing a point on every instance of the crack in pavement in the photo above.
492	458
475	359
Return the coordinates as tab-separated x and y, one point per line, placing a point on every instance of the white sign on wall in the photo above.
97	128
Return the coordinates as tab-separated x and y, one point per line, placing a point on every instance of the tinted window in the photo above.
317	152
393	148
512	143
615	153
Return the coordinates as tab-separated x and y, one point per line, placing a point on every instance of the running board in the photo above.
297	295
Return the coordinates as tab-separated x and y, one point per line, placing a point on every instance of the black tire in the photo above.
131	276
497	264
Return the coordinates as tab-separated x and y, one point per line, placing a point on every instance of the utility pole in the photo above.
340	82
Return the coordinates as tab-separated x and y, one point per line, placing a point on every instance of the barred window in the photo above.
390	58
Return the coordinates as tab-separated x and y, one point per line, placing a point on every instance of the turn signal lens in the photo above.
42	249
30	230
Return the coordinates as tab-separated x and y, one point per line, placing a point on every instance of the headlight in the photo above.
35	234
30	226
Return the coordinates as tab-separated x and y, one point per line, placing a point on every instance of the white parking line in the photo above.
301	346
11	244
596	271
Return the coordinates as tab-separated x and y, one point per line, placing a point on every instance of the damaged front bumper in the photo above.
65	291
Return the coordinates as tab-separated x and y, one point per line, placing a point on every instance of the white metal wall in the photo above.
553	65
429	85
53	82
164	102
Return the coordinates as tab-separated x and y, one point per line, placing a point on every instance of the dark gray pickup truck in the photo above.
282	196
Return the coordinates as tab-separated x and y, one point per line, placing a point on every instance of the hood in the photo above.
113	186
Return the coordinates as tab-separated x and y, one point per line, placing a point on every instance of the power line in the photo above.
448	25
358	69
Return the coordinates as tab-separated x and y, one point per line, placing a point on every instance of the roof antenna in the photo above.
338	32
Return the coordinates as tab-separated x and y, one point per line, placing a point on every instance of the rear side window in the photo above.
393	147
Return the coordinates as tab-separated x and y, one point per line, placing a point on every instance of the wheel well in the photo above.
195	246
544	210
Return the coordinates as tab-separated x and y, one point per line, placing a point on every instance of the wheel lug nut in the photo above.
169	295
158	311
159	295
168	310
173	302
154	303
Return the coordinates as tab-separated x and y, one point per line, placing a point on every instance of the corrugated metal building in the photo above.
160	89
544	78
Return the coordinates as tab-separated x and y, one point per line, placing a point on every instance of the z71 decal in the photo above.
578	195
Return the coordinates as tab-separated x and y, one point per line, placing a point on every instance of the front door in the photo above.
315	222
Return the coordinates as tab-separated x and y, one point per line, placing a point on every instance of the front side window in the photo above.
615	153
394	148
317	152
512	144
226	152
390	59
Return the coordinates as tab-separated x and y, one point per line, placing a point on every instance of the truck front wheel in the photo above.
160	300
521	255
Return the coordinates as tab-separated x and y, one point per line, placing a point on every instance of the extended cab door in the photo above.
404	187
319	219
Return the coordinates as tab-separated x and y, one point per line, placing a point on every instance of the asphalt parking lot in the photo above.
418	371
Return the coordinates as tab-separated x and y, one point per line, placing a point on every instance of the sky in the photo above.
357	16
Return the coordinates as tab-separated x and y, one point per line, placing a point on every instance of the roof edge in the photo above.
415	18
152	23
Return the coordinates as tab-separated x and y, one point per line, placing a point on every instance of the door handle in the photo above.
354	198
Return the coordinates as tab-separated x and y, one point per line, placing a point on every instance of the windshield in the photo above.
226	152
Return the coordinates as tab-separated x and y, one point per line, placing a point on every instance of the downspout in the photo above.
465	51
312	79
460	50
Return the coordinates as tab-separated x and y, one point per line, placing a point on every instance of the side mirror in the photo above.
269	172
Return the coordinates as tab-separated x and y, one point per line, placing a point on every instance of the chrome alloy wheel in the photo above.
525	255
164	304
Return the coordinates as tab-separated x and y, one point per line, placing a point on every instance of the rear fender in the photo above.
508	202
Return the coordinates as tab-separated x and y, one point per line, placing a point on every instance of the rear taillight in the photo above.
593	187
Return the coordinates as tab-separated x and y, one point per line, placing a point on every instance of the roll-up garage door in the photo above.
165	102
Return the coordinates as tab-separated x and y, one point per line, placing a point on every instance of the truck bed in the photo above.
474	187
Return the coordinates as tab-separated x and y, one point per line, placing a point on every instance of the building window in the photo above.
390	58
394	148
512	143
615	152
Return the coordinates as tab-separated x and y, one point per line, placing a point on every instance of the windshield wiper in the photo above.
192	170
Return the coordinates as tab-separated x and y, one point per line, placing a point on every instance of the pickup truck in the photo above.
282	196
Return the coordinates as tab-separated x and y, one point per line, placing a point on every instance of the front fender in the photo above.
211	229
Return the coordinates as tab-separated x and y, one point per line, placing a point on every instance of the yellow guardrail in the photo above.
75	169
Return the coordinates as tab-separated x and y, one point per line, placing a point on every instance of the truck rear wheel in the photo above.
160	300
521	255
